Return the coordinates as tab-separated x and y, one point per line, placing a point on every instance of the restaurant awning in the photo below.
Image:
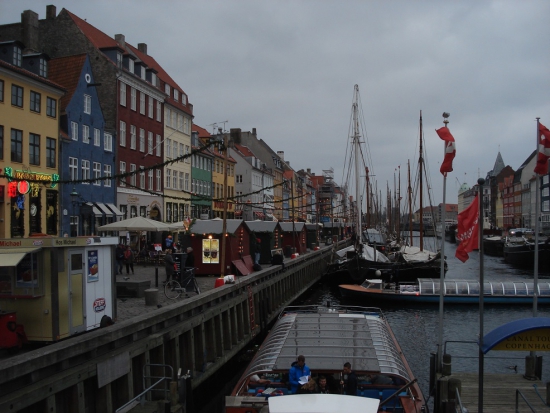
95	210
115	210
10	257
104	209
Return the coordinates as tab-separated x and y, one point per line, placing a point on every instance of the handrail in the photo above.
459	403
518	393
405	387
141	396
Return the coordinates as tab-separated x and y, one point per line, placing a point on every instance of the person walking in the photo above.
129	260
168	242
169	265
119	257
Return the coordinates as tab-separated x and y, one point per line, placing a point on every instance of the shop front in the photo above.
270	235
57	287
144	205
294	238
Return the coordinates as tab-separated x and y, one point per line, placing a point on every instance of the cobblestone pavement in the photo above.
133	307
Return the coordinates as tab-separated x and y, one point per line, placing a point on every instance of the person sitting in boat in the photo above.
256	380
323	387
297	371
380	379
349	380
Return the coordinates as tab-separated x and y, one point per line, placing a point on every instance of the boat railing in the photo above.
459	408
518	394
398	391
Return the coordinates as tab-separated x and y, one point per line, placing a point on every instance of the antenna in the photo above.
215	126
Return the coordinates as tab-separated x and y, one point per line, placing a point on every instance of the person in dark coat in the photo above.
190	260
119	257
129	260
169	265
257	251
350	380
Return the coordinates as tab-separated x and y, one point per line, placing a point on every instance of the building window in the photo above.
159	180
35	102
16	145
1	90
87	104
239	179
150	107
167	89
175	180
159	111
74	131
133	178
97	173
122	94
85	134
180	155
150	143
132	98
132	137
168	117
187	154
142	103
34	149
176	95
180	187
186	183
119	60
1	142
73	169
168	148
122	133
142	178
17	56
43	68
175	149
184	99
108	142
17	96
85	171
51	107
141	140
150	178
158	146
97	137
107	174
168	178
122	172
131	65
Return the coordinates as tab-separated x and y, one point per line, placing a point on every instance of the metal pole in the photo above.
442	283
224	225
480	182
537	229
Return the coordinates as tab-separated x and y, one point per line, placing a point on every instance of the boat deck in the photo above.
499	393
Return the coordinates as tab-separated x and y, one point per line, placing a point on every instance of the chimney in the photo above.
281	154
142	47
235	135
254	132
51	12
29	24
309	171
121	40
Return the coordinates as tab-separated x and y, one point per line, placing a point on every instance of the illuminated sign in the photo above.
34	177
533	340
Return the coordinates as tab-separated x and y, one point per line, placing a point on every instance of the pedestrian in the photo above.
119	257
190	260
278	259
298	371
129	260
168	242
169	265
257	251
349	381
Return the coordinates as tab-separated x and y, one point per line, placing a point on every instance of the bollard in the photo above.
446	365
530	368
151	296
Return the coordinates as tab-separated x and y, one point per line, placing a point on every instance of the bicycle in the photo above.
173	289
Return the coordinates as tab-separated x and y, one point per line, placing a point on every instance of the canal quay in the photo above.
103	369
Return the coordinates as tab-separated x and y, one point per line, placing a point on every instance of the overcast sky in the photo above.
288	68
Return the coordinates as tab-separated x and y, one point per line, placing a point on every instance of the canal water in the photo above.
417	328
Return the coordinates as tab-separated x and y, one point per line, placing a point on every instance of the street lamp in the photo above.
74	200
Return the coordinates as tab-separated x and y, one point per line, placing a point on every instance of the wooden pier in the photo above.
499	393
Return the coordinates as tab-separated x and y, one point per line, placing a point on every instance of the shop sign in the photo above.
99	305
532	340
93	269
33	177
210	251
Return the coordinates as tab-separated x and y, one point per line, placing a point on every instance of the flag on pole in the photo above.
450	149
468	230
544	150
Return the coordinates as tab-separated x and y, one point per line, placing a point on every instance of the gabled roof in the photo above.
290	226
203	133
67	71
214	226
244	150
261	226
99	39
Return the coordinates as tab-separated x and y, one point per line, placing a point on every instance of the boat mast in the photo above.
421	167
409	189
356	147
367	193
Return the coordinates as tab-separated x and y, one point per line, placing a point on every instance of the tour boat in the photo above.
328	337
427	290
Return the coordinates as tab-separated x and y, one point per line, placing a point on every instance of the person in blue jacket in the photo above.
298	369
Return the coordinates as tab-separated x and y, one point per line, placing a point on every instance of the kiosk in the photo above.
57	286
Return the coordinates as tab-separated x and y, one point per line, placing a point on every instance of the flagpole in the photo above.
480	183
537	229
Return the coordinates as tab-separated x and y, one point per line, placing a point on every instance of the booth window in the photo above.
20	273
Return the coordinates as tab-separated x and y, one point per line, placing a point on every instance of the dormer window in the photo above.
184	99
119	59
167	89
43	68
176	95
143	75
131	65
153	79
17	56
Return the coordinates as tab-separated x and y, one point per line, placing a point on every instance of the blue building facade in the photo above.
87	151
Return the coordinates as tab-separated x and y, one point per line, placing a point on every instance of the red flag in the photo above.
468	230
450	149
544	150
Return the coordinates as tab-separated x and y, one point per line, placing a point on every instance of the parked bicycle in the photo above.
187	283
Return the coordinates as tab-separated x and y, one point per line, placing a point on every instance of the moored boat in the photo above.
427	290
329	337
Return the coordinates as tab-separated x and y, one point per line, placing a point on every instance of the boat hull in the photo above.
523	255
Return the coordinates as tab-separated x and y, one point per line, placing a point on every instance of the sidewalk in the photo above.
132	307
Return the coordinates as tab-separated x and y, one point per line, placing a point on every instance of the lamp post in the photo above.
74	200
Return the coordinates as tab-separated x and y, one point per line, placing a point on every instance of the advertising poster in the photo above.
210	251
93	269
27	272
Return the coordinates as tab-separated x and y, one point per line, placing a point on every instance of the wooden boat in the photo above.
494	245
328	337
426	290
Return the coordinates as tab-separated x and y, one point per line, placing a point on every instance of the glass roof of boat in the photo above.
467	287
328	338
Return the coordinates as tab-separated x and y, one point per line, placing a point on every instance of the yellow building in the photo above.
29	146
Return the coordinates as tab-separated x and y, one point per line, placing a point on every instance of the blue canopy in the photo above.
507	330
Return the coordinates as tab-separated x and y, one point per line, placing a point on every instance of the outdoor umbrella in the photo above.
138	224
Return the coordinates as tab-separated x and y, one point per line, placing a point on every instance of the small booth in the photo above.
206	242
270	235
332	230
57	286
294	238
313	231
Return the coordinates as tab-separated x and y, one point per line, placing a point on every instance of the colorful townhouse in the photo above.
29	144
201	178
